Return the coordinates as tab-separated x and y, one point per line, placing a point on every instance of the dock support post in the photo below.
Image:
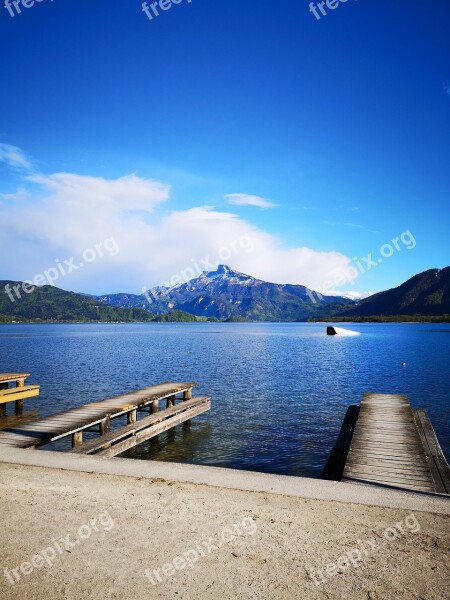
3	413
155	407
105	425
77	439
132	417
187	395
18	404
170	401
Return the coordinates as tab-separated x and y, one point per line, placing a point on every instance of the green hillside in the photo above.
49	303
426	294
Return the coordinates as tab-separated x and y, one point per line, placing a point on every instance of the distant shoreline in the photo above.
358	320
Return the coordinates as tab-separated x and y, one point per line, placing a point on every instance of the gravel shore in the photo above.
84	536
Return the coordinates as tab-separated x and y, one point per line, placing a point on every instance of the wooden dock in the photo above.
16	394
394	446
98	415
115	442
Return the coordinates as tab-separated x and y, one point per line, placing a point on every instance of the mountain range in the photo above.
225	294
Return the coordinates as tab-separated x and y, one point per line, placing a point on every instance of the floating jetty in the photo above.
385	442
97	416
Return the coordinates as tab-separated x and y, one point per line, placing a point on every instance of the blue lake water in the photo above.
279	391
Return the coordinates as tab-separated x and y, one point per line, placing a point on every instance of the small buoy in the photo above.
403	364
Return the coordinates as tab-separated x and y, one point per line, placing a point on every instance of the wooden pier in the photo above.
390	444
98	415
16	394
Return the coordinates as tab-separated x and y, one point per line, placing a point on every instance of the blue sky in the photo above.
218	121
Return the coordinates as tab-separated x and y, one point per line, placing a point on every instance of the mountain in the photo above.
53	304
125	300
427	294
227	294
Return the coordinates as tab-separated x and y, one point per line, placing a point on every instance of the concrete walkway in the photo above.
300	487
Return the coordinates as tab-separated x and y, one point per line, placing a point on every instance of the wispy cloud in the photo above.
248	200
347	224
14	157
446	86
21	194
340	223
306	208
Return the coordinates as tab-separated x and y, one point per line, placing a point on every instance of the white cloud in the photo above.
350	294
446	86
14	157
21	194
68	213
248	200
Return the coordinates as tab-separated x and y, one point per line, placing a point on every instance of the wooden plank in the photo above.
18	393
389	478
367	480
392	468
383	452
436	458
409	462
335	465
10	377
399	440
395	475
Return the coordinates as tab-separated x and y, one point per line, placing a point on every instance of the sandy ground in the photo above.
86	536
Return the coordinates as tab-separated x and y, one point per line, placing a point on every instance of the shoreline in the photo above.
220	477
134	534
436	320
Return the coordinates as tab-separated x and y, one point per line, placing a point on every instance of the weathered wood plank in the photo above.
10	377
335	465
438	464
18	393
389	474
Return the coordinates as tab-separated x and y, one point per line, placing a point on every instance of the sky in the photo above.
297	149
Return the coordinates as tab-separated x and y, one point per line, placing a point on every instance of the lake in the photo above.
279	390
